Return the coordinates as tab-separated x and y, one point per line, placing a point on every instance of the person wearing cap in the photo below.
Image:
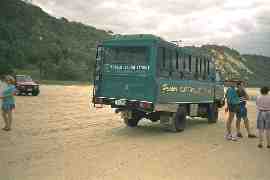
263	116
242	113
8	102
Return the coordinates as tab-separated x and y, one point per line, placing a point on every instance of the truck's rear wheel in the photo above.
175	122
212	113
179	120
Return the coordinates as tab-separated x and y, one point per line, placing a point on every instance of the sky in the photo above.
240	24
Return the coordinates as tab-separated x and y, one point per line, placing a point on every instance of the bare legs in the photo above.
237	124
246	122
4	115
7	116
268	137
267	134
260	137
229	122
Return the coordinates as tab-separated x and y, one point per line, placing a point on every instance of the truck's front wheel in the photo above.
131	122
131	118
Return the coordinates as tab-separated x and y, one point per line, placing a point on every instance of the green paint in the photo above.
141	81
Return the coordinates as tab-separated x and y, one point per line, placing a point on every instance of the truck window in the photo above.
184	62
163	62
177	60
168	58
174	61
208	67
200	65
189	63
126	55
197	65
204	68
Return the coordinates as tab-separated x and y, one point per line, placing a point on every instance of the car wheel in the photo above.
35	93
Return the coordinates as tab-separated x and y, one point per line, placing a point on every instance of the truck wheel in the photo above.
179	120
212	113
133	120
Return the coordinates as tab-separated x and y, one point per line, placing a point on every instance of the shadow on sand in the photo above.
148	128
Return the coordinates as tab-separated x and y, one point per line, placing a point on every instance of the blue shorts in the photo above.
242	113
8	107
233	108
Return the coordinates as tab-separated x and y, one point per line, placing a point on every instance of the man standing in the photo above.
242	113
233	102
263	117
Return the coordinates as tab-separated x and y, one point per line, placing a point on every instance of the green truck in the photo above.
144	76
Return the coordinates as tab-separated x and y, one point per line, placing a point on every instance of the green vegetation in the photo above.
260	65
252	68
33	42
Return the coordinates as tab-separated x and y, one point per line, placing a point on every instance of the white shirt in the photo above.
263	103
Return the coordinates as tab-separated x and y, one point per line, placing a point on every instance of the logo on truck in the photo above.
166	89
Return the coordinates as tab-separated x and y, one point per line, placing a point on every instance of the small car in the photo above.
25	85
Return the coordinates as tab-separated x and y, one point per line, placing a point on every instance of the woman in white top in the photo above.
263	118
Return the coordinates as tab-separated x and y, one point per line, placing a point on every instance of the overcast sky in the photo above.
241	24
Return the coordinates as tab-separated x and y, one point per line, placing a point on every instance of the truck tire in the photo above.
179	120
133	122
212	112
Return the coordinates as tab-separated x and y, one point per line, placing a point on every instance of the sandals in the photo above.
6	129
239	135
252	136
260	145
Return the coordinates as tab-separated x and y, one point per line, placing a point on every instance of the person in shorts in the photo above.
8	102
233	102
263	116
242	113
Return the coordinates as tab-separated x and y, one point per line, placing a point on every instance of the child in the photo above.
263	119
8	102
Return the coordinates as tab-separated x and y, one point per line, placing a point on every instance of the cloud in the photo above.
241	24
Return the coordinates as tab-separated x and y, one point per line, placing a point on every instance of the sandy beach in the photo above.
60	136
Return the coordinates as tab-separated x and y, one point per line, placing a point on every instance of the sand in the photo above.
60	136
